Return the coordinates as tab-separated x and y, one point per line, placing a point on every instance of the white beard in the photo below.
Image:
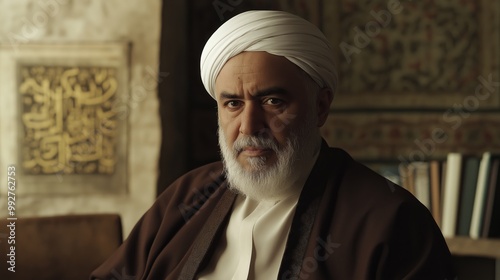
277	181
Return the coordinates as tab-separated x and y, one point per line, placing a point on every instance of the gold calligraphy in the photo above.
68	120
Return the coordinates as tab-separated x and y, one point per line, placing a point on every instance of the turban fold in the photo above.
276	32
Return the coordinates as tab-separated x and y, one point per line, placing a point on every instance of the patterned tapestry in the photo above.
411	72
413	54
412	136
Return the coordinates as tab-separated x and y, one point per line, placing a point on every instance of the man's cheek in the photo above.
281	122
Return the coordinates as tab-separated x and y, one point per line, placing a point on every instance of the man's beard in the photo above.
273	181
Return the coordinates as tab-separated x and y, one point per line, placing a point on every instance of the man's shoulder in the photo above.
208	176
360	181
367	194
208	172
353	170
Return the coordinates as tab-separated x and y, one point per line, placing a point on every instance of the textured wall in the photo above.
88	22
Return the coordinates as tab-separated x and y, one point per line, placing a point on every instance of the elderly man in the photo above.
282	204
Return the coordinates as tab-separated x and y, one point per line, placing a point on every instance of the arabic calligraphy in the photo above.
68	120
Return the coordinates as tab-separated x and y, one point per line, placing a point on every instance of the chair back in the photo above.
57	247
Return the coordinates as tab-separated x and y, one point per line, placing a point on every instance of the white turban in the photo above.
276	32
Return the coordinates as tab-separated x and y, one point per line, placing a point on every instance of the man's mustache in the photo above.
245	141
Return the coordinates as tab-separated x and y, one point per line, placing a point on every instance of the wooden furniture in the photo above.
477	259
465	246
58	247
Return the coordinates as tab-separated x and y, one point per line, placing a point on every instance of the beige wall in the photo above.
134	23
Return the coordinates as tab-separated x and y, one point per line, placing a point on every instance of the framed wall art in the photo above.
63	123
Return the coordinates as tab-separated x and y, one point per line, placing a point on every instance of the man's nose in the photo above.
252	120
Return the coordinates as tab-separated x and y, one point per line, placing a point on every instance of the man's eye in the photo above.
273	101
232	104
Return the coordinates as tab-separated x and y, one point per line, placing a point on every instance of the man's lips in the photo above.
255	151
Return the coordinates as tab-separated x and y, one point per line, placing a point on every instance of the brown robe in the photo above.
350	223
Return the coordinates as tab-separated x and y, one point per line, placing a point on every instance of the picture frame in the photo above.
62	121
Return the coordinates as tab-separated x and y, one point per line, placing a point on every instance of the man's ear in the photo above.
325	98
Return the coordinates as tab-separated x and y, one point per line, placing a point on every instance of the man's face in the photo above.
259	94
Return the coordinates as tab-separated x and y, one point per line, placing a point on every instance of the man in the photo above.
282	205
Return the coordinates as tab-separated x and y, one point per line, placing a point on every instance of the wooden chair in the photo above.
58	247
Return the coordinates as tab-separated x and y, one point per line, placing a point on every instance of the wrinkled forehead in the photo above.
260	61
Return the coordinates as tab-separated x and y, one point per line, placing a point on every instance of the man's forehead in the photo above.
253	72
252	62
241	68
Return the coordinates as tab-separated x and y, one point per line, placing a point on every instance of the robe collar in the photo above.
307	208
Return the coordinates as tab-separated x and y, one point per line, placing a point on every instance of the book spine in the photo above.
467	193
451	194
435	191
422	185
478	209
490	197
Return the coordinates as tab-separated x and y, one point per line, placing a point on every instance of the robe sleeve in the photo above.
160	225
129	260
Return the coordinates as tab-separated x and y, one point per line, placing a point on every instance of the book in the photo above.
443	182
406	174
479	198
422	184
435	191
467	194
494	231
451	194
492	193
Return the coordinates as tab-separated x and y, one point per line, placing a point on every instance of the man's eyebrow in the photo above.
228	95
271	90
261	93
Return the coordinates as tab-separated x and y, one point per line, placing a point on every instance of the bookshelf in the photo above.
475	258
454	182
466	246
